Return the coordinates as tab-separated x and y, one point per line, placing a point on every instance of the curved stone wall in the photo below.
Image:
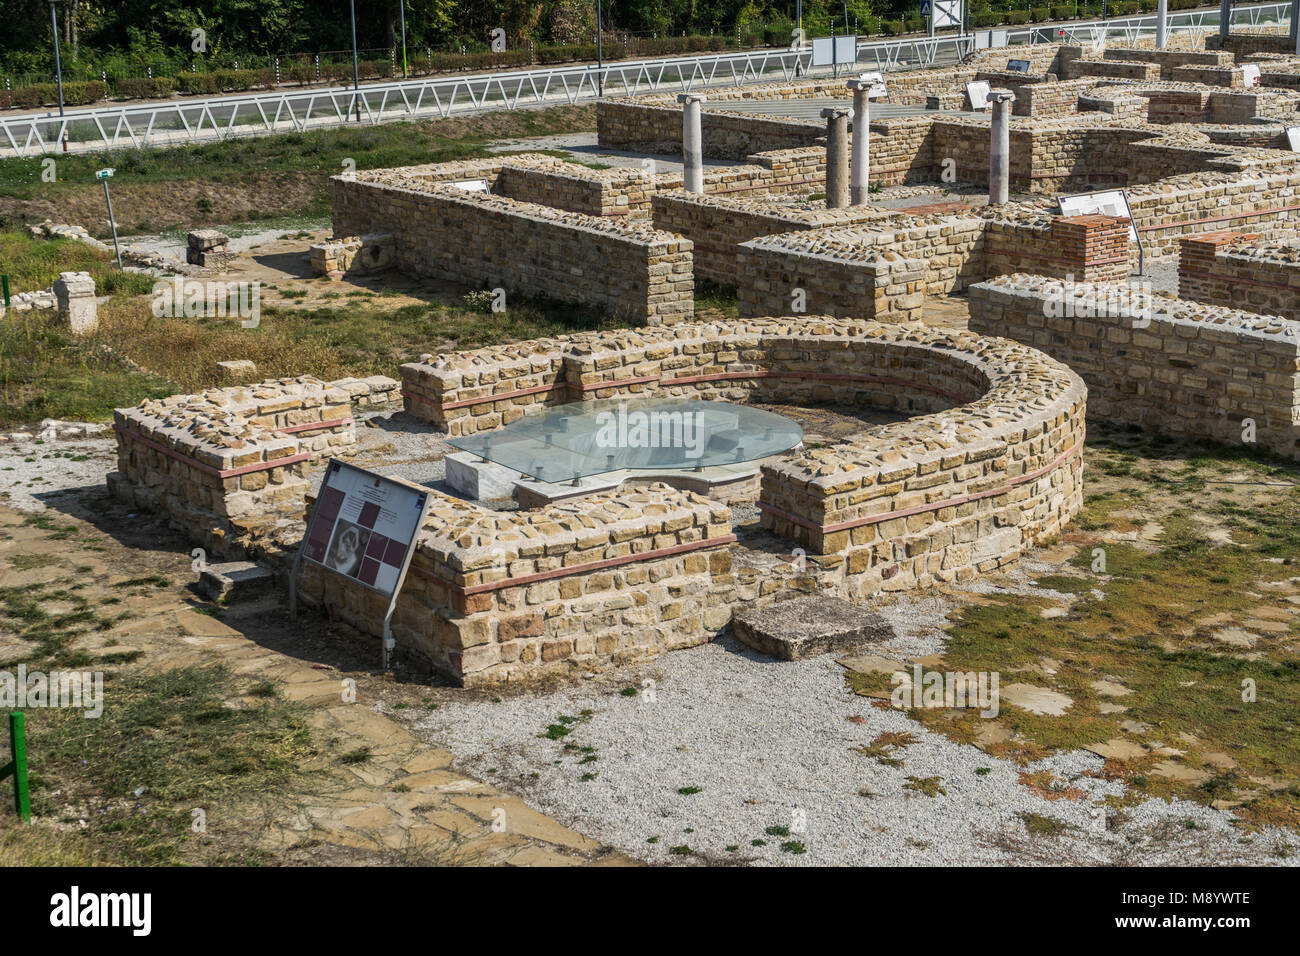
991	466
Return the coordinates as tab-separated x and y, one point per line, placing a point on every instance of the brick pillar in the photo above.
1093	248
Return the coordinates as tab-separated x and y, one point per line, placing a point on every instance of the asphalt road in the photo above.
178	121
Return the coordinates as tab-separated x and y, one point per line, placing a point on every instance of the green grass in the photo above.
1149	623
33	265
165	745
311	157
45	372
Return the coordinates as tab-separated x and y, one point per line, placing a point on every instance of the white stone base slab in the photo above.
478	479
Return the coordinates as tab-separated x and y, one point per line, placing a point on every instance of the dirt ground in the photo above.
371	793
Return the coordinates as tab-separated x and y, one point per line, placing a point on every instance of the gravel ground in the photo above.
768	744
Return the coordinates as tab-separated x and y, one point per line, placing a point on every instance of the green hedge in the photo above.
223	81
891	28
1062	12
143	87
75	93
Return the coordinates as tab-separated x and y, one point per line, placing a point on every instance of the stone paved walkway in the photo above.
403	802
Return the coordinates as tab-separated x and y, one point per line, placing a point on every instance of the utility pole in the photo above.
356	68
401	12
58	65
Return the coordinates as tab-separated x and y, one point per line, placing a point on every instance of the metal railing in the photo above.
178	122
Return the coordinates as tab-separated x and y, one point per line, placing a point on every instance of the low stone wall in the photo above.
1117	69
647	127
1244	44
716	224
1259	201
1210	75
952	494
1169	60
1236	270
229	465
494	597
1168	365
641	276
622	575
884	269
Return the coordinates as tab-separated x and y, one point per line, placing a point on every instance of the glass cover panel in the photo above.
591	438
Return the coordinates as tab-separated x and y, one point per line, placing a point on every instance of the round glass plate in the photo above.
591	438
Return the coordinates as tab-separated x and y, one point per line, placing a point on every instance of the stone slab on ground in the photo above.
808	626
235	581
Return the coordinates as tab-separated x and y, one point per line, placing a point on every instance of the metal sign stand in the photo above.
388	641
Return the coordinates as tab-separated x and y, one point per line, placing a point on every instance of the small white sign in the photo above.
1293	138
834	51
472	185
1017	66
978	91
1107	202
1250	74
947	13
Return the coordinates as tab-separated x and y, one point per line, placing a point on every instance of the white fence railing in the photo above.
176	122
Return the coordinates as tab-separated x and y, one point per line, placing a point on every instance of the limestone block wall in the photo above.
642	275
1236	270
952	494
884	269
1244	44
496	597
230	464
716	224
783	273
1260	201
1118	69
1209	75
1172	366
647	127
1170	59
990	468
1089	248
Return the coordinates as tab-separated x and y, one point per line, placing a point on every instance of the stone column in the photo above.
692	142
74	292
837	157
1162	23
1000	146
860	179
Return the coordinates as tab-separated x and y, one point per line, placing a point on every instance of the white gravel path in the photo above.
770	744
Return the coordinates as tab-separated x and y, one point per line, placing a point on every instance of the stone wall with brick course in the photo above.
489	241
884	269
1172	366
229	464
990	468
1237	270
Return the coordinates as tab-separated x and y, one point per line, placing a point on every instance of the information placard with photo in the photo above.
364	526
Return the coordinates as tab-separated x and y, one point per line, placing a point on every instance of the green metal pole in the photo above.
18	766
